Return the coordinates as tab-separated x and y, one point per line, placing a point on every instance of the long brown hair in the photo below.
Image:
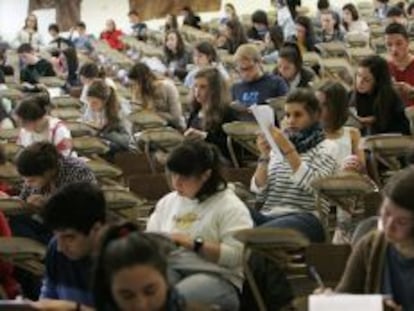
107	94
219	98
141	74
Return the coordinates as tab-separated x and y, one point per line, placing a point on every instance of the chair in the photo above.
273	243
332	49
8	173
278	105
9	135
52	81
88	145
329	261
66	102
242	175
24	253
149	187
66	114
103	170
356	54
338	69
385	150
12	206
243	133
145	119
80	129
132	163
311	59
345	191
162	139
11	150
120	198
409	112
357	40
12	94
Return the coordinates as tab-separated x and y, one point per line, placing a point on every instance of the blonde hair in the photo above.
248	52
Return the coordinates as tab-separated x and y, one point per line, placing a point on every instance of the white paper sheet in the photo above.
345	302
265	117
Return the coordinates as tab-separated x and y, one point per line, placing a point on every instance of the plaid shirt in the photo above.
70	170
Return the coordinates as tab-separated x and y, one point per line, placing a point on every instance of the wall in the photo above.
95	13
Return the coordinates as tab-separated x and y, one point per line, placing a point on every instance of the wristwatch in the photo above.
198	244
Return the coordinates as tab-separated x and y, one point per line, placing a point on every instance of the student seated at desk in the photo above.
34	67
44	171
383	260
76	214
255	85
37	125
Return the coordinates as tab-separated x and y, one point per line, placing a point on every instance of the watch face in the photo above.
198	244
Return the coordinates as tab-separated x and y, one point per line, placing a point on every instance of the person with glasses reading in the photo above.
255	86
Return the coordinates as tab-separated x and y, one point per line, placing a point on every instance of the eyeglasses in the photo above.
241	69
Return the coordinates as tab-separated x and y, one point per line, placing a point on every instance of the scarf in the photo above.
307	138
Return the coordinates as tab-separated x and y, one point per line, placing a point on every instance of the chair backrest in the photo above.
242	175
80	129
149	186
409	112
145	119
385	152
329	260
132	163
88	145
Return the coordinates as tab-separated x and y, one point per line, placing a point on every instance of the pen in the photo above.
316	276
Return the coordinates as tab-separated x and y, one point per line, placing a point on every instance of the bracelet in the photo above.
263	160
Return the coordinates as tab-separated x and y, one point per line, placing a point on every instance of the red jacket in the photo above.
9	284
113	38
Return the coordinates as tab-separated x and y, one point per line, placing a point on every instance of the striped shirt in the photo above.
287	192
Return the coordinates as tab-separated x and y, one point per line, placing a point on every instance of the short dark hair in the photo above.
122	246
307	98
400	188
133	12
81	25
260	17
54	27
89	70
193	158
336	103
75	206
25	48
323	4
207	49
33	107
410	8
37	159
396	29
395	11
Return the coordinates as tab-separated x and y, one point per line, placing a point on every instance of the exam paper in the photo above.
265	117
345	302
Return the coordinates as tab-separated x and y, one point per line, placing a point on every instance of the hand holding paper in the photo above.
265	117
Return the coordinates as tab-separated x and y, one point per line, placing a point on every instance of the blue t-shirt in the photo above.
67	279
398	278
256	92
